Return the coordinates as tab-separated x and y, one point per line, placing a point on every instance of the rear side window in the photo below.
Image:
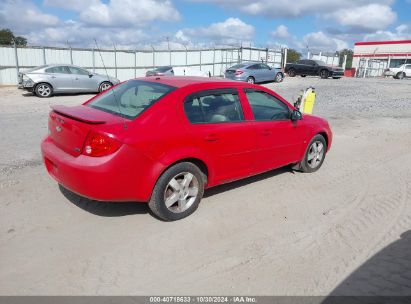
266	106
130	98
58	70
215	106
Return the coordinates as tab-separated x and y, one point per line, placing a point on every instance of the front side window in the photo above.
78	71
213	106
266	107
130	98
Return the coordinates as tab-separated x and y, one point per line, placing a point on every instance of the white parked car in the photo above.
176	71
400	72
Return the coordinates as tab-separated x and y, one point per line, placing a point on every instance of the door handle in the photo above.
211	138
265	132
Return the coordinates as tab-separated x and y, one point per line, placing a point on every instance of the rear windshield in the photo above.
163	69
238	66
130	98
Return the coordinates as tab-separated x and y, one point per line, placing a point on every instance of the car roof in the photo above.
182	81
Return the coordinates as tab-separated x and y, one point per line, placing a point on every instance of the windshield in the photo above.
130	98
163	69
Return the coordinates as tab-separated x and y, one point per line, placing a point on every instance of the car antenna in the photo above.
111	88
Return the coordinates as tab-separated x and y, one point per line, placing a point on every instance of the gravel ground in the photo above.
343	230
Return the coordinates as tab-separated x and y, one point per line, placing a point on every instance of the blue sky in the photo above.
319	24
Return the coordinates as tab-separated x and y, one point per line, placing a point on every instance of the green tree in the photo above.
349	54
7	38
293	55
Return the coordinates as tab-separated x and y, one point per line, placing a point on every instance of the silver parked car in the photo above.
48	79
254	72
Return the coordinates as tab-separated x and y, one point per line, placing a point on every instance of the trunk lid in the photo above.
69	126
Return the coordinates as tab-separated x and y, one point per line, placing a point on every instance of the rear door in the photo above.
218	127
60	78
279	140
256	72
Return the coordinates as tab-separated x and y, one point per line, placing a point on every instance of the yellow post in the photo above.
309	101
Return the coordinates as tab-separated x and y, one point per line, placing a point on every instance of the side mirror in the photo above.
90	75
296	115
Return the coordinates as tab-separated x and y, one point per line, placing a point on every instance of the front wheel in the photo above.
400	75
315	154
279	77
105	86
291	73
178	192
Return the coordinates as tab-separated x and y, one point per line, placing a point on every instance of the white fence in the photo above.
327	57
126	64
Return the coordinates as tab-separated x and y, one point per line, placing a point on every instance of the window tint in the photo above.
130	98
264	66
58	70
408	67
78	71
254	67
213	106
163	69
266	106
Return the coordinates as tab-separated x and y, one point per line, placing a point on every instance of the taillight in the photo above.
238	72
98	144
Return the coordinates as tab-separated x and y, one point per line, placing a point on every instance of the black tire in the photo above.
324	74
303	75
279	77
291	73
43	90
400	75
305	165
251	79
105	85
157	202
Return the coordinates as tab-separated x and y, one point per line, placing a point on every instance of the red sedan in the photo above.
164	140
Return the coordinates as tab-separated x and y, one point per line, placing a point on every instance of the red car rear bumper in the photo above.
116	177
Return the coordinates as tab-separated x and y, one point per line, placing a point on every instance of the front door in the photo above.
279	139
82	80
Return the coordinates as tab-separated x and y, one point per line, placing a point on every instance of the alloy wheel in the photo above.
44	90
181	192
315	154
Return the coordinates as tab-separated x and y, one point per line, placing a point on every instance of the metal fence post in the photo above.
241	50
71	55
266	55
285	57
200	58
115	59
44	56
135	64
214	61
94	61
16	57
186	54
154	57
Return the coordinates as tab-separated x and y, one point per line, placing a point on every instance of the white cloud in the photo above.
281	32
232	30
402	32
20	15
367	18
322	42
128	12
71	5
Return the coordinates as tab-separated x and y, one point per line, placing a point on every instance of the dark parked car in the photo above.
306	67
254	72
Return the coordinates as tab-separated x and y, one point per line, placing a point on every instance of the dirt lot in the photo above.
343	230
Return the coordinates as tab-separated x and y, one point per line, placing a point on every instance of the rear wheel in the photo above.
177	192
250	79
315	155
324	74
279	77
43	90
303	75
291	73
105	86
